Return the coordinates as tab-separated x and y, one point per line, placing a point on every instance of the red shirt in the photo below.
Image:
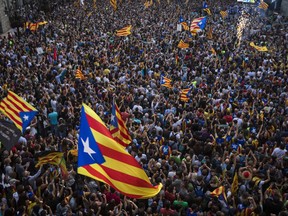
167	212
228	118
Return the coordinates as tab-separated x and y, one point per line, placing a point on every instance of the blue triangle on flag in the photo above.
26	118
88	150
114	121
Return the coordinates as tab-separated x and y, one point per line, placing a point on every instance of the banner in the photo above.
9	134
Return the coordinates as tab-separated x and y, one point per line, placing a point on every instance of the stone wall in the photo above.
4	20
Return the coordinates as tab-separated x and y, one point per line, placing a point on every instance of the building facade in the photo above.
4	19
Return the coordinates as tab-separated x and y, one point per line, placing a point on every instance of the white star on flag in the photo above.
87	148
25	117
112	118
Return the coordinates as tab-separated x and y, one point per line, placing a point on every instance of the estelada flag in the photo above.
17	110
100	157
118	127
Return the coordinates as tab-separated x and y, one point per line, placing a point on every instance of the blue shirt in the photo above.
53	118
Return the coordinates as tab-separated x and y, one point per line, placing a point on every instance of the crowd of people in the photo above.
235	122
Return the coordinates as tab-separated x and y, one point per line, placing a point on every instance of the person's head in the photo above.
167	204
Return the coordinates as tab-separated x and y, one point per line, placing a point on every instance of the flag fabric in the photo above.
219	193
113	4
259	48
206	9
213	51
181	19
79	74
54	158
223	14
124	31
94	4
42	23
118	128
184	94
49	157
263	5
26	25
166	82
17	110
63	168
73	152
183	45
198	24
9	134
185	26
100	157
33	26
82	2
148	3
209	34
234	186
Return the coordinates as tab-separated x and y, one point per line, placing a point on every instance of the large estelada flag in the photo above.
17	110
102	158
9	134
118	128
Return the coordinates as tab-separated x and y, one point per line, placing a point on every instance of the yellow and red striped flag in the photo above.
33	26
49	157
209	33
114	4
183	45
118	128
63	168
100	157
166	82
263	5
54	158
17	110
79	75
185	26
234	186
124	31
220	193
184	94
223	14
